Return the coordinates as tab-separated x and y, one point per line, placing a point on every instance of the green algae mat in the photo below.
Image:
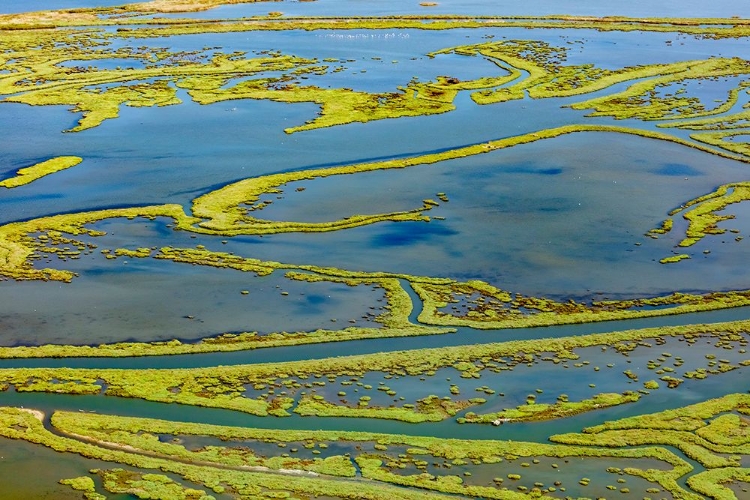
322	250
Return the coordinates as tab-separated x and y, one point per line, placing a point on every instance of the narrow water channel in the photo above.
690	392
463	336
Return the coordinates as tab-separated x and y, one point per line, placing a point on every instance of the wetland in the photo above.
329	250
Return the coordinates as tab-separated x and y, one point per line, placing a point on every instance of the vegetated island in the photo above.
711	433
278	388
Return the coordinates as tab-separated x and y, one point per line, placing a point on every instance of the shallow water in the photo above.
160	304
638	8
20	6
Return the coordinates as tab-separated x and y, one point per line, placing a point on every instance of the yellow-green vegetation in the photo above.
101	104
61	58
226	211
702	213
342	106
130	14
727	121
713	433
664	228
489	307
721	128
126	434
38	79
428	409
547	76
227	342
227	386
23	424
84	484
30	174
225	214
147	485
533	68
102	15
18	246
712	482
642	100
561	409
143	435
394	315
220	212
674	258
725	140
705	432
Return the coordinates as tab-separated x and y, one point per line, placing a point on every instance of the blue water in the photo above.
554	218
637	8
20	6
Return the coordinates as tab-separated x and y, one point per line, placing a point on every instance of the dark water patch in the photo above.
543	171
30	199
315	299
411	234
677	170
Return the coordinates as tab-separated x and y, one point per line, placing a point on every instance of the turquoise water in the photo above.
690	392
21	461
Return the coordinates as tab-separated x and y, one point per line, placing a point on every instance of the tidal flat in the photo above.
318	250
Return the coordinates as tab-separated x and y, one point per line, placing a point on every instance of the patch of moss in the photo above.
674	258
30	174
560	409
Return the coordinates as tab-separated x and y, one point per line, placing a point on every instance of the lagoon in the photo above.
568	218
